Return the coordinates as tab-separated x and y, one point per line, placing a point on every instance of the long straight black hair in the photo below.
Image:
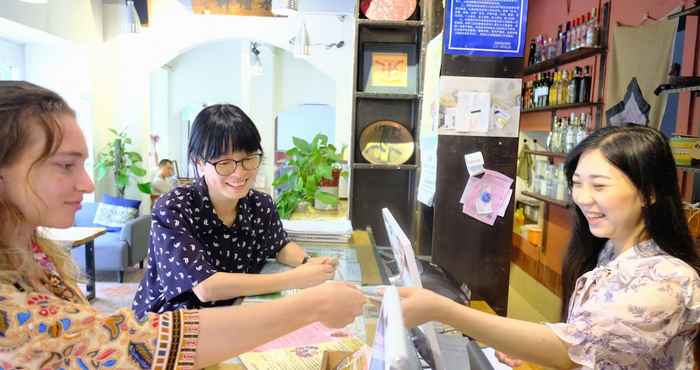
644	156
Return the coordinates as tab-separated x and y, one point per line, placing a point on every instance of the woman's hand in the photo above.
323	261
336	304
419	306
510	361
310	274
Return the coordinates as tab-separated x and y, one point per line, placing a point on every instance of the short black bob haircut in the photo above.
220	130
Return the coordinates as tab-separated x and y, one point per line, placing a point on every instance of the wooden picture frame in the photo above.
389	68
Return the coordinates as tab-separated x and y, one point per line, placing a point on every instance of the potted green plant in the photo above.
313	168
125	164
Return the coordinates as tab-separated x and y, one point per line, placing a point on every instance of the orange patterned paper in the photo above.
389	70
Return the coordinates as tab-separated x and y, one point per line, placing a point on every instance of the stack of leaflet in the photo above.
317	231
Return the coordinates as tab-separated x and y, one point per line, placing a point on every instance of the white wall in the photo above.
303	83
219	72
73	20
11	60
207	74
120	66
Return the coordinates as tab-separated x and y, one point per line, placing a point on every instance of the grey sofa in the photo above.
115	251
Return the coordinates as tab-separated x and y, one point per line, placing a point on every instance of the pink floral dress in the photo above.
638	310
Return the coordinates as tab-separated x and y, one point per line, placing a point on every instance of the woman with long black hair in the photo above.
630	277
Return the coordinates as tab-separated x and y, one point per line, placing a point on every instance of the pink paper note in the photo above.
309	335
498	185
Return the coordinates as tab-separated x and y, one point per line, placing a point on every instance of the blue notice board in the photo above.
485	27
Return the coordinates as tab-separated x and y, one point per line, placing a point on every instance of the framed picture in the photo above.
389	68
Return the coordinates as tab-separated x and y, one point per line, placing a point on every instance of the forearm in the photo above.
521	339
291	255
229	331
224	285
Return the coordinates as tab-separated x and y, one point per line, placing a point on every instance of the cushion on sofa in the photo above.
113	213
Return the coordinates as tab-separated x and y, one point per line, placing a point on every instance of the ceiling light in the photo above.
133	22
35	1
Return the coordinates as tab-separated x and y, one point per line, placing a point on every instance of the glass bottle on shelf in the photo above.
565	38
563	130
571	134
552	182
585	88
562	186
563	87
593	36
546	86
583	128
571	91
553	89
552	136
544	180
578	72
531	54
560	40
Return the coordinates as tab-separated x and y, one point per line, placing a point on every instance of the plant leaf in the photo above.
281	179
121	180
144	187
325	171
302	144
101	171
134	157
327	198
138	171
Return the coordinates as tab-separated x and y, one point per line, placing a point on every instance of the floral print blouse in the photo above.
49	325
639	310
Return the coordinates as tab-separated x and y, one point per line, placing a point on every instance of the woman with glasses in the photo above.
46	322
209	240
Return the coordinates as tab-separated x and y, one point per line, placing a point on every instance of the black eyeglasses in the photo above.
226	167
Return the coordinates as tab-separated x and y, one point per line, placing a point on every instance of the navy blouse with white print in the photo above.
189	243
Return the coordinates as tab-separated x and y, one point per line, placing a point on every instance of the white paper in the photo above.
410	275
475	163
428	171
390	348
467	95
333	231
473	111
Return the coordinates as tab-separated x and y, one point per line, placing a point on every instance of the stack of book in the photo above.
316	231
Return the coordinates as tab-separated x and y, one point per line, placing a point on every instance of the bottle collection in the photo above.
567	132
558	88
549	180
583	31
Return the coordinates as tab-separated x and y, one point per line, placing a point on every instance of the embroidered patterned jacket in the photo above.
49	325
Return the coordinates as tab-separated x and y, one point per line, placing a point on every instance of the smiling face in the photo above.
49	192
607	198
234	186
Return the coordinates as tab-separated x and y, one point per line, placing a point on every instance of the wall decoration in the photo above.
260	8
386	142
389	68
478	106
388	10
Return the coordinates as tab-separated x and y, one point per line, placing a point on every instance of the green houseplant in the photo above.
122	162
310	163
